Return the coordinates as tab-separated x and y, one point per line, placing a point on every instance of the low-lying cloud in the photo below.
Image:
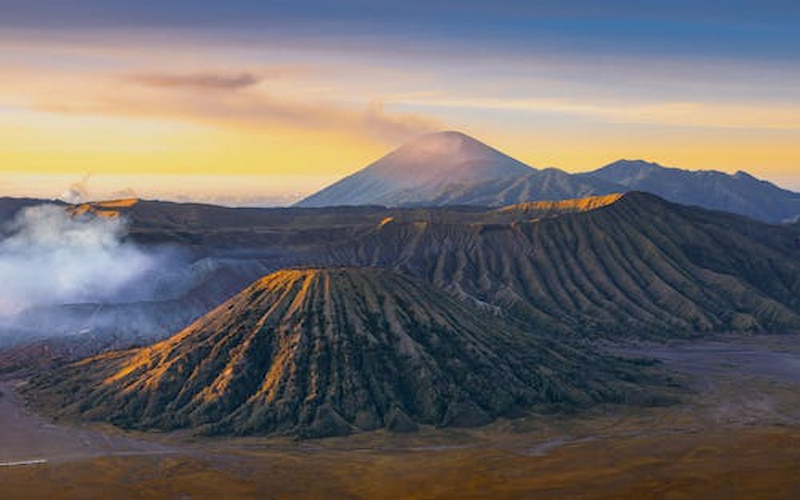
48	257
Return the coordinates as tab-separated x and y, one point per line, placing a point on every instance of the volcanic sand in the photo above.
736	436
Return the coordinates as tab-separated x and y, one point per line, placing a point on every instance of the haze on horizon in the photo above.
281	98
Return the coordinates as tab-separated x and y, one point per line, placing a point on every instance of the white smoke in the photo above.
50	257
78	191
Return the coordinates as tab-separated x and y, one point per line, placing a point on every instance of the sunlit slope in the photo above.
318	352
536	209
110	208
636	265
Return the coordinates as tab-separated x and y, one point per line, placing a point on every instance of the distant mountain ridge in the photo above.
450	168
739	193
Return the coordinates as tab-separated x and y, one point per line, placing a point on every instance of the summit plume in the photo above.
419	170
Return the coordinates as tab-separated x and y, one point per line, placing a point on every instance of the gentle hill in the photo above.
317	352
740	193
418	171
636	266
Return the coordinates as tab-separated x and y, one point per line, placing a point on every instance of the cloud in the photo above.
209	81
125	193
202	100
722	115
395	128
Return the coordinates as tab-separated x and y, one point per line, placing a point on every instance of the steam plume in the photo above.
78	191
49	258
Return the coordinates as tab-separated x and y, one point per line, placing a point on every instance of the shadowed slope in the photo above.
539	185
10	207
328	351
637	265
740	193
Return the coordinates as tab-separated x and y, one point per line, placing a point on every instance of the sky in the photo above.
254	101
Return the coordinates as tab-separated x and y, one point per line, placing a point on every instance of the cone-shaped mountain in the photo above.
450	168
418	171
318	352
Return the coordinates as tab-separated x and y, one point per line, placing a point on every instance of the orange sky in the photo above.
286	122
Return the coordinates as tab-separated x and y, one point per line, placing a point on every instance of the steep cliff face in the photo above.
316	352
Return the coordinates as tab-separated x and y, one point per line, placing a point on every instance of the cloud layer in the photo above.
213	81
235	99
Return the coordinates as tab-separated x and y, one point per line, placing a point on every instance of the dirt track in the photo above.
28	439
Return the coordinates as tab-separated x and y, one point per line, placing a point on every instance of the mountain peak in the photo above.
445	142
450	151
419	169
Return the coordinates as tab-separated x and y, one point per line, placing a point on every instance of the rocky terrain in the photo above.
634	265
318	352
628	265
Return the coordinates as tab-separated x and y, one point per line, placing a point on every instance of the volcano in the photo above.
320	352
418	171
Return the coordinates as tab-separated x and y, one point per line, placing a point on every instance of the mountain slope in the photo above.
450	168
628	265
540	185
740	193
317	352
418	171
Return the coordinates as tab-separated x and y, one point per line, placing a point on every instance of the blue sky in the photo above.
730	29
